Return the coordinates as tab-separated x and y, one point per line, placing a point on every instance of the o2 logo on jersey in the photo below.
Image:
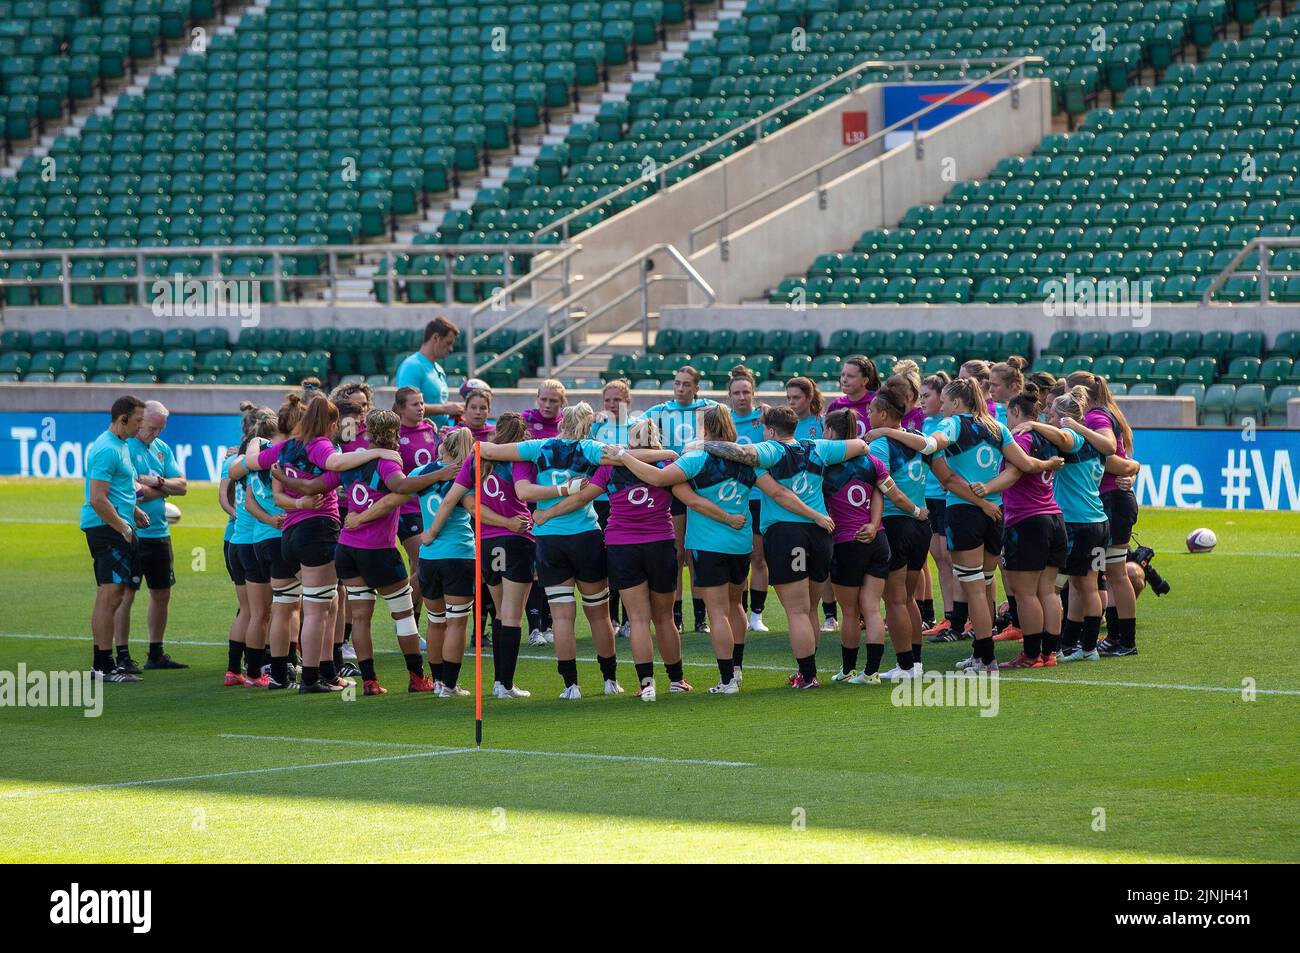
290	472
1098	471
431	504
423	456
640	496
359	497
986	456
800	485
1048	477
239	494
862	428
729	491
916	471
492	488
561	476
857	495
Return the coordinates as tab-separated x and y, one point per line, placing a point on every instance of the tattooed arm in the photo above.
735	452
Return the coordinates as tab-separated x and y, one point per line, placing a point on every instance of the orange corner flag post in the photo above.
478	596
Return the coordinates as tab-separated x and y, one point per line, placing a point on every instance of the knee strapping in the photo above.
399	601
406	626
287	595
318	594
988	577
596	598
360	594
1062	580
970	574
560	595
1116	554
459	611
435	618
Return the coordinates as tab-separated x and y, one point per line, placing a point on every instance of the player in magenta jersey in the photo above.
311	532
418	444
859	381
1106	419
1034	540
544	420
641	554
353	402
478	408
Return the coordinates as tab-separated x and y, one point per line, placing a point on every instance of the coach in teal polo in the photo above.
109	519
159	476
422	370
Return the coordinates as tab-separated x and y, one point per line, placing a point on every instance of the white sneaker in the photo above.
437	687
612	687
726	688
456	692
842	676
681	686
624	631
918	668
756	623
535	637
968	663
349	653
895	673
865	679
572	692
500	691
646	692
549	636
740	676
830	625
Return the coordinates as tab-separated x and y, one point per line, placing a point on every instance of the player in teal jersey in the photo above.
935	501
804	397
973	446
678	421
748	420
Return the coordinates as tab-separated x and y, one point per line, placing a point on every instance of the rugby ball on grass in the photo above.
1201	540
174	512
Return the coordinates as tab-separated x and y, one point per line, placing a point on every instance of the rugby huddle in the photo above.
335	505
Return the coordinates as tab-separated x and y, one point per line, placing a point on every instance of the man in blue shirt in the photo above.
422	370
109	518
159	476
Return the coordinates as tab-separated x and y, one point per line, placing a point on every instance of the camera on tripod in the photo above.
1143	555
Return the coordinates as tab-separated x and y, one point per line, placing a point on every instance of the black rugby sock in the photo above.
450	672
808	667
234	655
674	670
608	666
1091	629
568	669
905	661
644	670
960	610
757	600
830	610
415	663
874	654
848	659
367	666
1033	645
738	655
103	660
726	670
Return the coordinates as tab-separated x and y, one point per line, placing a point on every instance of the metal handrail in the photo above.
563	306
1264	245
913	120
661	172
387	252
506	291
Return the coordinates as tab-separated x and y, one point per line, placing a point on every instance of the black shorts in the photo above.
853	561
938	519
256	570
446	577
678	508
378	568
631	564
797	551
602	512
408	525
755	512
909	542
1034	544
1121	513
234	568
580	557
508	557
310	543
156	567
116	561
717	569
270	552
969	528
1087	547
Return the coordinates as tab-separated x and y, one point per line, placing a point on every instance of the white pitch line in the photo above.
1099	683
231	774
584	755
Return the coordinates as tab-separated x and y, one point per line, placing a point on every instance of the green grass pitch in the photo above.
1158	757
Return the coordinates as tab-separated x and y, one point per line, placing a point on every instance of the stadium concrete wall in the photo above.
875	194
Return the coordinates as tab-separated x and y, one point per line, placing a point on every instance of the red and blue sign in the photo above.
906	99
